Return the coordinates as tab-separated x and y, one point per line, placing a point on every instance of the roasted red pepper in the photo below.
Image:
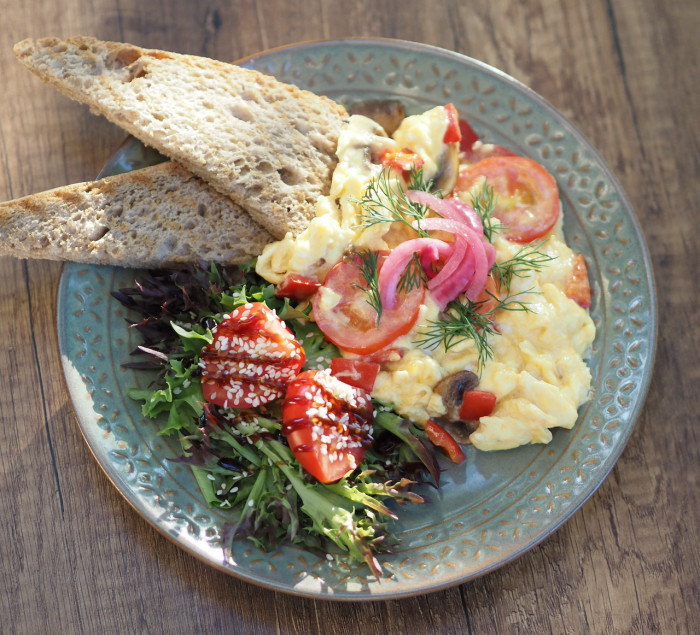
453	134
476	404
355	372
440	437
402	161
297	287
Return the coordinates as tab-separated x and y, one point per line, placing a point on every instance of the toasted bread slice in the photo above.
160	216
268	145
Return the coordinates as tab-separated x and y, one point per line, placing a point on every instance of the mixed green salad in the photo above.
241	457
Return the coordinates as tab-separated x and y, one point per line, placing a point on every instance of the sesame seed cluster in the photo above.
251	359
340	415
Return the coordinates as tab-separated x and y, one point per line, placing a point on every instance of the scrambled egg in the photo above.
537	371
335	227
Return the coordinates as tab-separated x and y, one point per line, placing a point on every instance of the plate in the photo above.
500	504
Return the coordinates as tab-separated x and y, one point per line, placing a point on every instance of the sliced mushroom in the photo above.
366	142
446	177
452	389
387	113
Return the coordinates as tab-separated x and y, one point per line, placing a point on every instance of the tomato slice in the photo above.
328	424
251	360
297	287
479	151
527	195
476	404
453	134
355	372
440	437
345	317
577	286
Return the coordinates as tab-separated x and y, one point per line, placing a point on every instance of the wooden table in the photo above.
75	557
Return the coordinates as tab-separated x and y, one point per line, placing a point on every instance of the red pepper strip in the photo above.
453	134
443	439
297	287
469	137
355	372
402	161
476	404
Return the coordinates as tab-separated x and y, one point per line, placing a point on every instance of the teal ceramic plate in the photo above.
498	505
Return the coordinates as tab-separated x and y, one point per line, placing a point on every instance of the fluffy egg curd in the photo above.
536	368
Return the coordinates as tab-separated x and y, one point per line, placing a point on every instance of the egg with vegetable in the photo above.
436	255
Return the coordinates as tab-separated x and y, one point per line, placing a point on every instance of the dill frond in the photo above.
413	276
484	203
370	272
462	321
527	258
384	201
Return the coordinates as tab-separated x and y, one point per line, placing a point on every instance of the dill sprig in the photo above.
528	258
484	203
413	276
384	201
416	181
368	261
466	320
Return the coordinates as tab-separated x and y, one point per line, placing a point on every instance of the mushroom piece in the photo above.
446	177
387	113
452	389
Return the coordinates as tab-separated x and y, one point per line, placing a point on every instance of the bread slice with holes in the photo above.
156	217
268	145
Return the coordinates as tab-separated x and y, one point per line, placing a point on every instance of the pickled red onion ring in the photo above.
428	256
398	259
448	225
490	253
453	263
468	259
452	208
478	282
469	281
451	287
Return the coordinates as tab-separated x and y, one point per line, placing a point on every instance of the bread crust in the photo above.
156	217
267	145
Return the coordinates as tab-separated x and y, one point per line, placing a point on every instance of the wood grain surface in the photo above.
76	558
